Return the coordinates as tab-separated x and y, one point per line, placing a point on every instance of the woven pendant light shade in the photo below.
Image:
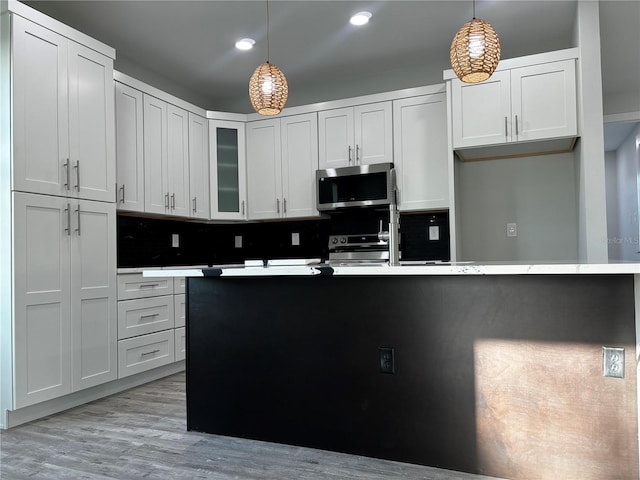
475	51
268	89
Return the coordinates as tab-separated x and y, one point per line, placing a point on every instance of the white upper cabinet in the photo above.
178	161
522	104
156	186
129	149
264	169
64	296
282	159
299	135
198	166
227	170
166	158
358	135
421	153
63	105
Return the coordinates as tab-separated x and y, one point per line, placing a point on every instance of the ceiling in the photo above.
187	47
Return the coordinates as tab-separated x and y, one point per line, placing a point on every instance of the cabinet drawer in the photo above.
180	343
145	315
142	353
134	285
179	303
179	284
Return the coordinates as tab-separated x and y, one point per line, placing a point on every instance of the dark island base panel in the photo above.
498	375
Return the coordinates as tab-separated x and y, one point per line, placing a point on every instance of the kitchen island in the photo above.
492	369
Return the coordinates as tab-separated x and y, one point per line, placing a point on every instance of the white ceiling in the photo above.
186	47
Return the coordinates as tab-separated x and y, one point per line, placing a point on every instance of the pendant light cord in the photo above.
267	31
474	10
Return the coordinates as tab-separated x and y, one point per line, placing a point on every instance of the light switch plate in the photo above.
295	239
434	232
175	240
238	241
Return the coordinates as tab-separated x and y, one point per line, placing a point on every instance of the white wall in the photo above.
538	193
623	196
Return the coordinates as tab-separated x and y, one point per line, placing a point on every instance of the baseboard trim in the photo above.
57	405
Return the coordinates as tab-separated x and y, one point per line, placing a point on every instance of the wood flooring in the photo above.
141	433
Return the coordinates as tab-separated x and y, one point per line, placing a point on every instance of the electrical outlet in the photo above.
613	362
512	229
386	355
238	241
295	239
175	240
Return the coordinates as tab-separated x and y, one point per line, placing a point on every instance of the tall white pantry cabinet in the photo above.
58	322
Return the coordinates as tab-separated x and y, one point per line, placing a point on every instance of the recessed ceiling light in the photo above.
360	18
245	44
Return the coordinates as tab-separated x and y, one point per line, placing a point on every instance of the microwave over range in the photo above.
360	186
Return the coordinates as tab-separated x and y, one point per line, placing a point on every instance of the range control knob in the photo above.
334	240
343	240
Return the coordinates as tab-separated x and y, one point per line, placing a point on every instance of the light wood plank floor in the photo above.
141	433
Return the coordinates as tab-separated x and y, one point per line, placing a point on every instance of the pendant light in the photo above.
268	88
475	50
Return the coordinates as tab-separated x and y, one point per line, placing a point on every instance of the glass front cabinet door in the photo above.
227	170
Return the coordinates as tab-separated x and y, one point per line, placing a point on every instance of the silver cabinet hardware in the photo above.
242	207
66	167
516	125
144	354
77	167
194	205
122	190
68	212
284	205
166	200
506	133
173	201
78	213
149	285
357	154
349	154
151	315
277	205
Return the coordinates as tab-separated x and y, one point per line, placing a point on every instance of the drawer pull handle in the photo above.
144	354
66	167
151	315
149	285
77	168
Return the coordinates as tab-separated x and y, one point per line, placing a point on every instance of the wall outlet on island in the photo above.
613	362
237	241
175	240
512	229
295	239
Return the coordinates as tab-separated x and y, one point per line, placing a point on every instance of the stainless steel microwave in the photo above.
360	186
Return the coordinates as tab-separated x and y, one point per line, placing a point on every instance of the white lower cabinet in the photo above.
65	327
137	354
180	343
148	313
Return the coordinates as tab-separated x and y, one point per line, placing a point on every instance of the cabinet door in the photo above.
129	149
335	138
264	172
156	188
373	133
481	112
227	170
198	166
42	305
94	325
421	152
544	101
40	110
91	124
299	165
178	161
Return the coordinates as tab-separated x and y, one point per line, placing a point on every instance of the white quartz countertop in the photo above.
463	268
